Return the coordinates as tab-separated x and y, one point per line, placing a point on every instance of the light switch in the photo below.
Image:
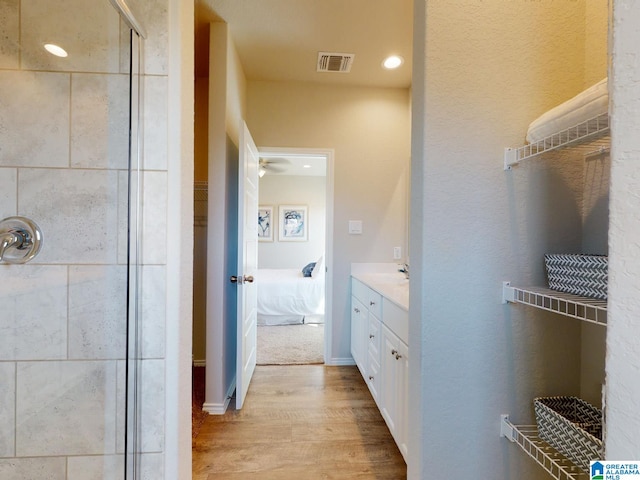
355	227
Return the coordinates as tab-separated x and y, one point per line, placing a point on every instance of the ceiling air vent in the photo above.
335	62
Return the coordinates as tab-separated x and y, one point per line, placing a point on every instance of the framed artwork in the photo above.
293	223
265	223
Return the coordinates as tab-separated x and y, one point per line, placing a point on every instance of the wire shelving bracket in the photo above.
526	437
583	308
585	132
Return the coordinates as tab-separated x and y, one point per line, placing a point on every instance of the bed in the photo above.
286	296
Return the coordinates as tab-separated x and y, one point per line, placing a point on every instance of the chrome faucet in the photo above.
9	240
405	269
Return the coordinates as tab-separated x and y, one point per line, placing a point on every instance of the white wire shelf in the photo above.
526	437
592	136
586	309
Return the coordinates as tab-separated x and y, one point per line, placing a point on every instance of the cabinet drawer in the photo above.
374	303
371	299
360	291
396	319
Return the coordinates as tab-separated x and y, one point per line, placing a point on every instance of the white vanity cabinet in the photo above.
379	337
394	396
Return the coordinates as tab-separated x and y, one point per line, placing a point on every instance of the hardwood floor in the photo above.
299	422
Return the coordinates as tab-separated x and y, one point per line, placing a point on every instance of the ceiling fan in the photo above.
272	165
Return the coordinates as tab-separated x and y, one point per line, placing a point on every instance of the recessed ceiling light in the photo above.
306	166
55	50
394	61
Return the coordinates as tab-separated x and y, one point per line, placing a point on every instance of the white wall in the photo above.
623	358
370	132
178	32
490	68
276	190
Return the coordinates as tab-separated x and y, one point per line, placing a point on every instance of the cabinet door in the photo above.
359	329
394	387
402	390
389	382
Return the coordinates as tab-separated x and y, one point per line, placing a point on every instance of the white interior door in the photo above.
247	263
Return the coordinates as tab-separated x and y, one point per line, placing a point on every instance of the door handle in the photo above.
241	280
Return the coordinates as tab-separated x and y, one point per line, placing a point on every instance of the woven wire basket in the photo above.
585	275
571	426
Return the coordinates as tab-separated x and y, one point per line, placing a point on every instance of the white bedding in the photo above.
288	292
588	104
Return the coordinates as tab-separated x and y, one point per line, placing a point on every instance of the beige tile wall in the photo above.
63	161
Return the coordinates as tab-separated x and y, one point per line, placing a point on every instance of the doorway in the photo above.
296	288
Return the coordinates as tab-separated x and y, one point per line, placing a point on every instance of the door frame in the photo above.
328	154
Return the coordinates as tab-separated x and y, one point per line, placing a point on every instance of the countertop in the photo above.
392	286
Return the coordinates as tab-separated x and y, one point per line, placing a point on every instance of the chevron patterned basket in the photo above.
571	426
580	274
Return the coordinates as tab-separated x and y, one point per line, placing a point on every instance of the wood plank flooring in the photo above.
299	422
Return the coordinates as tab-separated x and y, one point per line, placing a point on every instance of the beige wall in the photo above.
596	41
201	128
201	174
369	129
236	93
310	191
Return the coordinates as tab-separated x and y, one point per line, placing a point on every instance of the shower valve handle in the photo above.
20	240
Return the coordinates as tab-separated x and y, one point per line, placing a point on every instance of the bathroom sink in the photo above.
389	278
393	286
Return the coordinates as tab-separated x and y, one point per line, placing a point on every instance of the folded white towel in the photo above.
590	103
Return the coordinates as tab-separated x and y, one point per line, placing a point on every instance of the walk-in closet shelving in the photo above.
590	136
583	308
526	437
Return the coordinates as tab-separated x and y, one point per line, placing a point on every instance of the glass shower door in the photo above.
68	317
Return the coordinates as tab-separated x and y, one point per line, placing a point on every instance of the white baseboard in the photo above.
200	363
220	408
216	408
338	362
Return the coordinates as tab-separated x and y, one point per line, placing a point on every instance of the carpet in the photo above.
290	344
